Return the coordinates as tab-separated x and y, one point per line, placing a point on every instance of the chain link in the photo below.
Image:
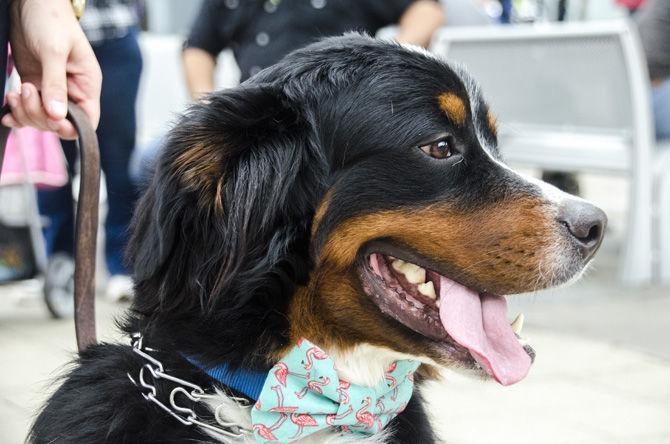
187	389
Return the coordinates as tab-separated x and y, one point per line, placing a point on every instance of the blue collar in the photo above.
249	382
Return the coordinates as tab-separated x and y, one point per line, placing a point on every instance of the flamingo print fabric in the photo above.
303	394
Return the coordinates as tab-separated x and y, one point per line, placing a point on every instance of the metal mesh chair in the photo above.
572	97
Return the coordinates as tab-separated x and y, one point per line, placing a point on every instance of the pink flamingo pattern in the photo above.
316	353
303	394
393	385
302	420
266	432
281	373
280	402
313	385
363	416
330	419
342	388
380	404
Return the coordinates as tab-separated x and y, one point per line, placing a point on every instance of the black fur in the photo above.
216	262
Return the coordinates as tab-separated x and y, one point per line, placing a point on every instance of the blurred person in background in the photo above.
261	32
111	28
653	20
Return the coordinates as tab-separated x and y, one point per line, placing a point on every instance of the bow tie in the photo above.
302	394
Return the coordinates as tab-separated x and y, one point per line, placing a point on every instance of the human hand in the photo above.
52	56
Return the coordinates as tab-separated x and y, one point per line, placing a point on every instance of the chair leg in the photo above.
637	258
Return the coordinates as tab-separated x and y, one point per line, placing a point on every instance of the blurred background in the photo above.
581	92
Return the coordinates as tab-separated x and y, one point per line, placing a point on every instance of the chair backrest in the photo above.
577	85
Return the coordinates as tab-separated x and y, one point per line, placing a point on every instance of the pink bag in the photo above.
630	4
32	155
35	156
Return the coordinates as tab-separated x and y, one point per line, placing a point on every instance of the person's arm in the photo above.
53	58
207	38
419	21
199	68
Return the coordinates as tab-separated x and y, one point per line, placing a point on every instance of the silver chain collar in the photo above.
192	391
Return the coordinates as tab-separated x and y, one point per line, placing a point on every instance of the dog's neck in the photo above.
360	363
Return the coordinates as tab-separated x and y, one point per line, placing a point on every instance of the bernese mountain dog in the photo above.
344	214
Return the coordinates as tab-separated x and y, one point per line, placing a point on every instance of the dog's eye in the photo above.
439	149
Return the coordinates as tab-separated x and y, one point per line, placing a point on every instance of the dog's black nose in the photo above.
585	222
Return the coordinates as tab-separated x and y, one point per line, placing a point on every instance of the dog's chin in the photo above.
412	296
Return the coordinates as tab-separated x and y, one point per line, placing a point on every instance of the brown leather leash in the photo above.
86	226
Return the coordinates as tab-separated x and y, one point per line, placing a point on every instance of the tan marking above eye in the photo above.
492	121
453	106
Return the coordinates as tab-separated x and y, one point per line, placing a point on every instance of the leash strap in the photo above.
86	225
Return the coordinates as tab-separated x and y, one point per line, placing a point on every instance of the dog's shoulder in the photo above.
97	402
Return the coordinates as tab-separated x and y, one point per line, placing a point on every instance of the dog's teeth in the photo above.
414	274
517	324
427	289
398	265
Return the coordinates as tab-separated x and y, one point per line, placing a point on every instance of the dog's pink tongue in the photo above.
480	325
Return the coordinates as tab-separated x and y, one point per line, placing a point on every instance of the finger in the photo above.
32	105
92	110
66	130
18	112
84	90
9	121
12	99
54	85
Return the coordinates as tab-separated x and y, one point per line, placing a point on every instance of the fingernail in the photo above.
12	101
25	92
53	125
58	108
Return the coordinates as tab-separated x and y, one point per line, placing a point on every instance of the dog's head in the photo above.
354	195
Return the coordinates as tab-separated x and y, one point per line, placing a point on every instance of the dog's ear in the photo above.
228	212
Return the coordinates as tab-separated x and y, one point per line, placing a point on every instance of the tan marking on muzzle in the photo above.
499	248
